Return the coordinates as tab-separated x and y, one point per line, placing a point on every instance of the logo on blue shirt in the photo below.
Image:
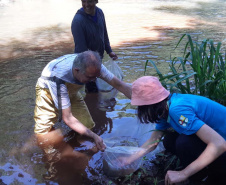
183	121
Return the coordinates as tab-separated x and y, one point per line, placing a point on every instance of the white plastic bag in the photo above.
113	67
117	148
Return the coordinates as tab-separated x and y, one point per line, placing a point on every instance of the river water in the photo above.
34	32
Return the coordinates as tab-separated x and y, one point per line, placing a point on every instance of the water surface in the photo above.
34	32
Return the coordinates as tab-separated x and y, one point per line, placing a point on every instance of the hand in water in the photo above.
99	143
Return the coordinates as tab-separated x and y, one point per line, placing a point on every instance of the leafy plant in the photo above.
201	70
110	182
155	181
128	177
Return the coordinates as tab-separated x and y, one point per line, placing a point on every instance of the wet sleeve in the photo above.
79	36
184	120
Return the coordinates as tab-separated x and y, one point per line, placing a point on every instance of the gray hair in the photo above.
87	59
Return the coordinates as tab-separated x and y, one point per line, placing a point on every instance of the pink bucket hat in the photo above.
148	90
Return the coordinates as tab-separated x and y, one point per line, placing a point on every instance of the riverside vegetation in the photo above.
201	70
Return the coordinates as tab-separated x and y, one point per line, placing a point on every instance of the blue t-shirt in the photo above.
188	113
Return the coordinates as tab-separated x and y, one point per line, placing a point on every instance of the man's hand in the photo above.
99	142
113	56
175	177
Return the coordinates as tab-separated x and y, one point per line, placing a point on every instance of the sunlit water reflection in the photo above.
35	32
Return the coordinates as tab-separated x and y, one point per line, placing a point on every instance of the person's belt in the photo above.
58	82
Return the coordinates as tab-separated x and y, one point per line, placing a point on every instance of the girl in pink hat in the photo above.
199	124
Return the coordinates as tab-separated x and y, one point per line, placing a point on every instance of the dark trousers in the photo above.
188	148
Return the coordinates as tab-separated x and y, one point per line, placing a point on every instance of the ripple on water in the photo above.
136	47
151	56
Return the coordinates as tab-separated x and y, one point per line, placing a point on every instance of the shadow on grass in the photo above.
207	10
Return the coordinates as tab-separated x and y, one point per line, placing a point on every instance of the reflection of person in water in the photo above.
64	164
102	122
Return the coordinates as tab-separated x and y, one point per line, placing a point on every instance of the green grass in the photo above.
200	70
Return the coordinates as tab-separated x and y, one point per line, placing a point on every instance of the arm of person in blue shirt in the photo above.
216	145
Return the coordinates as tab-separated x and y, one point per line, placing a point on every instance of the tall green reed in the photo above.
201	70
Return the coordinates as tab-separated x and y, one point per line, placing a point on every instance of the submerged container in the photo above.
118	148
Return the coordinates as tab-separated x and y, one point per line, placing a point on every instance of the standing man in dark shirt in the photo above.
90	33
